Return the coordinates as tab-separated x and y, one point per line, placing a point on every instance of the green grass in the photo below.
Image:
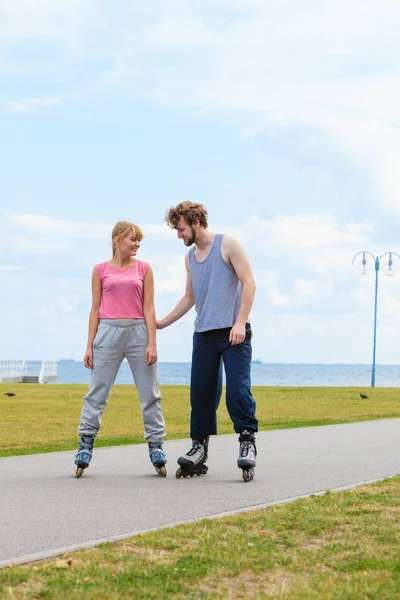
44	418
340	546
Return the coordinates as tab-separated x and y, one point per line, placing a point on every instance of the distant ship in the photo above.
257	361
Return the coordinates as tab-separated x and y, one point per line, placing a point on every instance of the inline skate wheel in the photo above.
79	472
248	474
163	471
179	473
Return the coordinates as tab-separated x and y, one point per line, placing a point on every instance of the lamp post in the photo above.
391	270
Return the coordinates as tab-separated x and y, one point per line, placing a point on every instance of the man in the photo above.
221	286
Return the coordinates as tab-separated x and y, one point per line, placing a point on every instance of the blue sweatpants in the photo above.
210	349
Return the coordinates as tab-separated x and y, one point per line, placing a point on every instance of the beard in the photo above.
191	240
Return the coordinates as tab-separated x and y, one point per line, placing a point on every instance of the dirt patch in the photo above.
148	553
314	543
333	535
25	587
248	585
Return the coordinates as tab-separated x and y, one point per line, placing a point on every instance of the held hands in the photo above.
151	354
88	358
237	334
160	325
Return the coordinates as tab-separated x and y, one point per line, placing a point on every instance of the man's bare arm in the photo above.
239	261
185	303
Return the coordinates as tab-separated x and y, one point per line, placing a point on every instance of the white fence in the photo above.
33	371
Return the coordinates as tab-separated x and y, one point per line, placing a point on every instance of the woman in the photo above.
122	324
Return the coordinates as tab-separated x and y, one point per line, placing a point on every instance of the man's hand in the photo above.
237	334
151	354
160	324
88	358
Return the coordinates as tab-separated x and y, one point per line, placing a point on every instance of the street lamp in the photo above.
390	270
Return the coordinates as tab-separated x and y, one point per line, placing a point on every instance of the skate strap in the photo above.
157	452
86	446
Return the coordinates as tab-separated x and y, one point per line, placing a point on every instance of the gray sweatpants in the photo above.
116	340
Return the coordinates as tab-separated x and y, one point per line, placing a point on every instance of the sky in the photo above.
280	117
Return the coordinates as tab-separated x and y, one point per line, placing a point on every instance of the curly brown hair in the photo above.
189	211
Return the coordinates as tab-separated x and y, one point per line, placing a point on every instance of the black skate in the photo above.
193	463
247	454
84	454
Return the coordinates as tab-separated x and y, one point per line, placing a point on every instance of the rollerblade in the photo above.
247	454
193	463
84	454
158	458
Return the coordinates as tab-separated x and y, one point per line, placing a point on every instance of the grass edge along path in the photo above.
336	546
44	418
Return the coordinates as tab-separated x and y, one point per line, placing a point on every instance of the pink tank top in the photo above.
122	290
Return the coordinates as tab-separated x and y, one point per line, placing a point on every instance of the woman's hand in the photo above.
88	358
151	354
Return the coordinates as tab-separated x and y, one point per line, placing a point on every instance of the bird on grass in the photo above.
9	394
364	397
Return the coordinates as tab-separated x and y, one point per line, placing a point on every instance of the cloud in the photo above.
31	235
313	88
10	268
307	289
29	104
20	21
161	231
168	285
319	84
66	305
280	59
42	234
277	299
303	231
374	147
44	225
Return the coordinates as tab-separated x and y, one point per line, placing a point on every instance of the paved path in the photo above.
45	510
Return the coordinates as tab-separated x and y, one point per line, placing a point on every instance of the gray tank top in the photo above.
217	289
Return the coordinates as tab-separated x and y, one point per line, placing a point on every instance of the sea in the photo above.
266	374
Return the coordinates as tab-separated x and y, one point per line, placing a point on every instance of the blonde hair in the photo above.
121	229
